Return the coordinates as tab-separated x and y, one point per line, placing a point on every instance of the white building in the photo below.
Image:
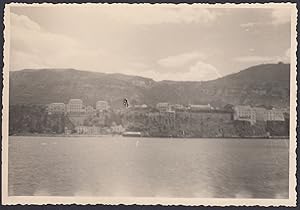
102	105
261	113
200	107
81	129
244	113
117	129
89	130
75	105
143	106
163	107
275	115
177	107
56	108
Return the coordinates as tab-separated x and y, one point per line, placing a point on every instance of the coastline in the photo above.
118	135
61	135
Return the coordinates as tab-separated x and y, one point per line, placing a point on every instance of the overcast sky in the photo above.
160	42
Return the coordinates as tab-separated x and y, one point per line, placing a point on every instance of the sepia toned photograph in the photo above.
149	104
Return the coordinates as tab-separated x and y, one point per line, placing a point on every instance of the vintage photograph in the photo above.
149	104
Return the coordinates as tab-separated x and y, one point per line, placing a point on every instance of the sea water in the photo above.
150	167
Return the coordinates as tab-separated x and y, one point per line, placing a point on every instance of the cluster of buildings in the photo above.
254	114
94	130
76	106
85	119
78	113
239	112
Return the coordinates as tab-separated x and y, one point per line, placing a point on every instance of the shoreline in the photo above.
162	137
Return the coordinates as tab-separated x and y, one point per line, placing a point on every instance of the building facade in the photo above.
88	130
244	113
143	106
196	107
260	113
275	115
117	129
177	107
163	107
75	105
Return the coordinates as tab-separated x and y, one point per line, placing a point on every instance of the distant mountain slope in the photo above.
257	75
47	85
266	84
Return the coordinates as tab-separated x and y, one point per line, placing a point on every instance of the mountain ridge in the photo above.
265	84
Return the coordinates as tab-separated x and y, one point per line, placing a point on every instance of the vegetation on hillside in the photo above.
266	84
34	119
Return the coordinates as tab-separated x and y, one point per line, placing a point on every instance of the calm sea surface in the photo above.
119	166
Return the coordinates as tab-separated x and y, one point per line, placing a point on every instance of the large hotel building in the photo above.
75	105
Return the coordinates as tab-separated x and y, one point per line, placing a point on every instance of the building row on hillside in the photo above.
166	107
240	112
254	114
77	106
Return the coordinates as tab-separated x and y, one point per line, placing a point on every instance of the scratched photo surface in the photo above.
150	101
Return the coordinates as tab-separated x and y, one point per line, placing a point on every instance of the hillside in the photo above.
266	84
48	85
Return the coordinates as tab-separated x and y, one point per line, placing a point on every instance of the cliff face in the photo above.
266	84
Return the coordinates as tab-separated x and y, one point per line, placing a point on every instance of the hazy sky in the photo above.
160	42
